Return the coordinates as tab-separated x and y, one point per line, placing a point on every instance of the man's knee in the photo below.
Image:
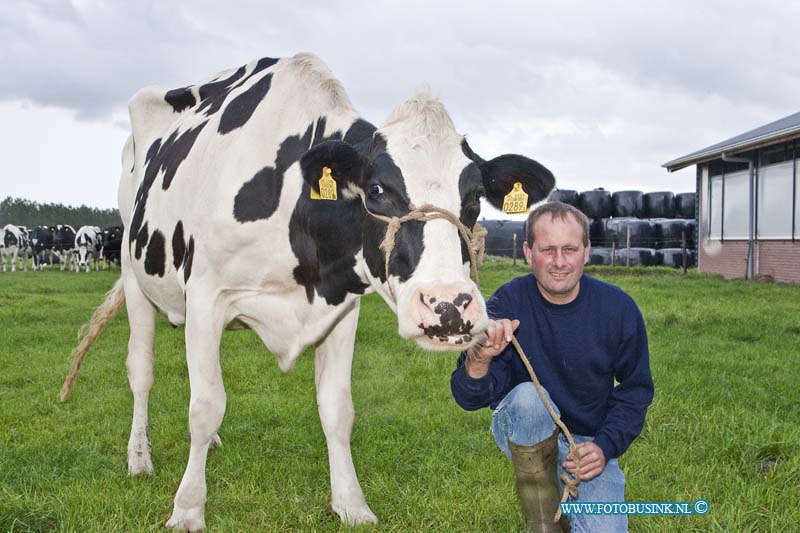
527	404
531	420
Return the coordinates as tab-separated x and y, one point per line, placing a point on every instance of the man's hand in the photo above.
592	461
498	335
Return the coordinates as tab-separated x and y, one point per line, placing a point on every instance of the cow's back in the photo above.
210	175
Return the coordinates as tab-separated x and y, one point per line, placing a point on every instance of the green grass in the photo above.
724	425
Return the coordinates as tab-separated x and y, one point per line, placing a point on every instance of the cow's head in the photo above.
418	158
84	244
112	236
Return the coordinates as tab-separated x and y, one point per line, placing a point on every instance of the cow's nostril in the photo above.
462	300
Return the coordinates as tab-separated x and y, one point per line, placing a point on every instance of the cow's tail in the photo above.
91	330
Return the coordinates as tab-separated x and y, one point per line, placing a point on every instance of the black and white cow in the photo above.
41	238
88	242
221	229
112	244
64	246
15	245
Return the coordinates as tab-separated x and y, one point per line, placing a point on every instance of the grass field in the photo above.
723	426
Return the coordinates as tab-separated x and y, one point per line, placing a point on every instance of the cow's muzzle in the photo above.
447	316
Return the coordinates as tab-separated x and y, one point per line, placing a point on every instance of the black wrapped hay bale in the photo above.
659	205
500	237
565	196
668	232
673	257
616	227
691	230
600	256
596	203
598	234
684	204
627	204
638	256
643	234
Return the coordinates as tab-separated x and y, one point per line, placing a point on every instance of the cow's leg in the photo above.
332	365
141	317
14	260
204	325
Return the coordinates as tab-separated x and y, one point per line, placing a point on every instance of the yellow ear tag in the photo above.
327	186
516	202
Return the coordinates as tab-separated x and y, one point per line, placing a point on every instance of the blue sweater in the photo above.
577	351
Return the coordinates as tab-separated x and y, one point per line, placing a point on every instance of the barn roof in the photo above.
781	130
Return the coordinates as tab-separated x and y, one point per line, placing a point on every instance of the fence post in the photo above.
683	250
514	253
628	246
613	253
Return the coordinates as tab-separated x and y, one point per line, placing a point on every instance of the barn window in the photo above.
715	208
775	184
796	179
735	212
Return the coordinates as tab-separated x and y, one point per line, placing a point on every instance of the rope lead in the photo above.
475	240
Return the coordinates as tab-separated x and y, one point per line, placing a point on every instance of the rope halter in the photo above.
475	238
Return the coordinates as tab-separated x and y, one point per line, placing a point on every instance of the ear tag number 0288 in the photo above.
516	202
327	187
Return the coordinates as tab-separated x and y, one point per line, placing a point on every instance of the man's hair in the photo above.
556	210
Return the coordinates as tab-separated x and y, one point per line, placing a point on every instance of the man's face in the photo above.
557	257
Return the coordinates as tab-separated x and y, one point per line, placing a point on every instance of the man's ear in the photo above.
527	251
501	173
345	162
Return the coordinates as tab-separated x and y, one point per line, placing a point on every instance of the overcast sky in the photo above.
602	93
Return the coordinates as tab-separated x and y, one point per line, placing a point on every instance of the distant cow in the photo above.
88	242
112	244
41	238
64	246
14	244
225	225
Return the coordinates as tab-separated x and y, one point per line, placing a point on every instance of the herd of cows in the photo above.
61	244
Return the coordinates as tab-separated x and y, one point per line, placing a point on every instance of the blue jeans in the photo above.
523	418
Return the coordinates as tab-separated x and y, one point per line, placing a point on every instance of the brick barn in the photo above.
748	203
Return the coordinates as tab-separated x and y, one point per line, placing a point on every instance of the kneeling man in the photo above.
581	336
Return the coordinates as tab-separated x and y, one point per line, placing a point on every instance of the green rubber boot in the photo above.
537	487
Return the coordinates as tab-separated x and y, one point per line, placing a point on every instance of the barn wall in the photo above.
780	260
728	258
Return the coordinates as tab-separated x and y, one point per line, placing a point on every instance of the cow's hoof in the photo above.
354	515
139	464
215	443
187	519
139	458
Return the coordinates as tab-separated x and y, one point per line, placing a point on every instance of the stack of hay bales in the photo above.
636	228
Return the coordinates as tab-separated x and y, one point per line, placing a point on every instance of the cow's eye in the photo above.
478	195
375	189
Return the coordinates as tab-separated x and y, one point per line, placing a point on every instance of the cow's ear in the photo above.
501	173
345	162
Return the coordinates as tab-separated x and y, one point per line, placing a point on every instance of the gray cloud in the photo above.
602	92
